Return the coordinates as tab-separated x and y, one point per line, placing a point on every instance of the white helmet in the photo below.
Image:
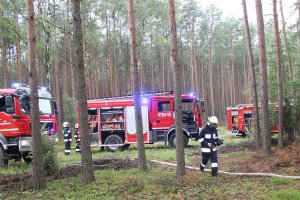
66	124
213	120
76	125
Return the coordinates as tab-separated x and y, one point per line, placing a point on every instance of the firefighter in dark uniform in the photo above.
77	139
208	139
67	138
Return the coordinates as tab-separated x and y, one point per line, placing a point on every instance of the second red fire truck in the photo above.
239	119
113	127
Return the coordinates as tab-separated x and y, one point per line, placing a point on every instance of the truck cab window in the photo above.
164	106
2	104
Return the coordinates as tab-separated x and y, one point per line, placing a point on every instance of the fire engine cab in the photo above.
239	119
15	123
112	120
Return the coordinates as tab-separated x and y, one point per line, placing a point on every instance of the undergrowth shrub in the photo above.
49	156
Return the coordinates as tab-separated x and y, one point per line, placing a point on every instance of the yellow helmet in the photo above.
76	125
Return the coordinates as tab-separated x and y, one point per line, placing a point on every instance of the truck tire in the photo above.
114	143
172	140
27	158
126	146
3	158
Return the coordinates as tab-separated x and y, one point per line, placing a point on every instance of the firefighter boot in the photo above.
202	166
214	174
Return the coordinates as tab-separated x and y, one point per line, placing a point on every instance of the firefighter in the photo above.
208	139
77	139
67	138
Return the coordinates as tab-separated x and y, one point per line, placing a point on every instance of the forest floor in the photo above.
244	158
232	158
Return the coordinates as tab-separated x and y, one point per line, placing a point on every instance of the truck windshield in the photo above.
44	106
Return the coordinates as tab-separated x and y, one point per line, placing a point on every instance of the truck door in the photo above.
162	114
131	125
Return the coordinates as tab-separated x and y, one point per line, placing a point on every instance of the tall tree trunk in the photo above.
279	75
58	91
210	78
177	93
291	135
253	75
264	77
18	47
4	64
86	155
38	176
64	65
299	23
71	67
285	42
136	86
234	86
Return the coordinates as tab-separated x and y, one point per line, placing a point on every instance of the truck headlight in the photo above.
25	142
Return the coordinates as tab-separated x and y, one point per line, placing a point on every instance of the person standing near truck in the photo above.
208	139
77	139
67	138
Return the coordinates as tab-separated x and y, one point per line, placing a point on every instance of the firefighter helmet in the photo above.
66	124
213	120
76	125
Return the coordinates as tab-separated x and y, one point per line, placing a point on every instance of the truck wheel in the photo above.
172	140
114	143
3	158
27	158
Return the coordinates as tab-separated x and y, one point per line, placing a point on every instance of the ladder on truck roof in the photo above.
131	96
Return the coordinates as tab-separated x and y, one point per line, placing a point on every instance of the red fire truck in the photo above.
15	125
113	127
239	119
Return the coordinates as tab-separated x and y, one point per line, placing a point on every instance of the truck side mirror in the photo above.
9	104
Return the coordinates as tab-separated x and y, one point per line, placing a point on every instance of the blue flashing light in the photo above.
191	94
15	85
144	101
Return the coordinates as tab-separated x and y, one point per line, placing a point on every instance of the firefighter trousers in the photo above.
67	148
78	148
213	157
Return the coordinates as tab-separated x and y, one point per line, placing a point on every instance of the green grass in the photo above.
158	183
285	194
282	181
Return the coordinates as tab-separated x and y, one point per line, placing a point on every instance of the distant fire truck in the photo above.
15	123
113	127
239	119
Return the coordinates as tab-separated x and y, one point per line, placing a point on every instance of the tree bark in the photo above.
4	64
264	77
279	75
136	86
38	176
177	93
18	47
86	154
255	113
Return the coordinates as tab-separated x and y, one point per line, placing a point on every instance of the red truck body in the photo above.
239	119
112	120
15	123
